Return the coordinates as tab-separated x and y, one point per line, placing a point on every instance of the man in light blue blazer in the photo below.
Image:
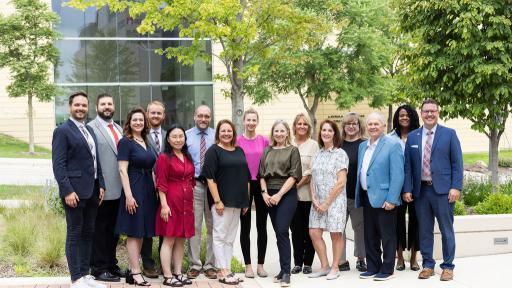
380	176
433	175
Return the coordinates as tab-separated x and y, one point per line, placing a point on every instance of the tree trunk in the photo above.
237	95
390	117
30	126
312	116
494	142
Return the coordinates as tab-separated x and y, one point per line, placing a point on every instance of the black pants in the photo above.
103	256
79	234
146	252
261	225
379	229
412	228
281	217
303	250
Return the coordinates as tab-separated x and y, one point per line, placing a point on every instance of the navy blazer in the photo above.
385	175
446	164
73	165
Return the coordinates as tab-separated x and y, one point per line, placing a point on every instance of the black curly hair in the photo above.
414	119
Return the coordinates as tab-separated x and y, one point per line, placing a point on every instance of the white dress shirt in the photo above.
81	125
366	162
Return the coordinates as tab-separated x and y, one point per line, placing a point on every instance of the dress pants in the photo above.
261	225
407	238
224	235
80	223
429	205
379	229
303	250
357	221
201	210
103	256
281	217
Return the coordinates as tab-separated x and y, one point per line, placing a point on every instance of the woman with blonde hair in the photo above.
303	250
280	170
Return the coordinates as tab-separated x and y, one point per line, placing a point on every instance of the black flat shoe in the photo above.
400	265
344	267
107	277
307	270
296	270
361	266
415	267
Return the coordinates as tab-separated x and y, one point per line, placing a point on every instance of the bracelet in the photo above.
263	191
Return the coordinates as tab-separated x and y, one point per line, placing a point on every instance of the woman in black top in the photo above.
405	120
352	131
226	171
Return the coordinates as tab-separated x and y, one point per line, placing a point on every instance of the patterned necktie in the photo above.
202	149
427	151
157	140
111	127
90	143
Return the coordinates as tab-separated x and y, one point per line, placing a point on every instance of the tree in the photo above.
244	29
344	63
27	50
461	56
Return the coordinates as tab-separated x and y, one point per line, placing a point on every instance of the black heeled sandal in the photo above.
131	280
183	279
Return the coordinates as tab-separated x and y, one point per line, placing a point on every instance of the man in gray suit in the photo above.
103	257
156	138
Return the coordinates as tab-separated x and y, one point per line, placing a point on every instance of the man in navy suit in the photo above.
433	179
81	187
380	176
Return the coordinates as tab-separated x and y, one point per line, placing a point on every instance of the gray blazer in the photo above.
107	155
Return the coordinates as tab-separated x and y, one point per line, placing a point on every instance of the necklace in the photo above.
138	140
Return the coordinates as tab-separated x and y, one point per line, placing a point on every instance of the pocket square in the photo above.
414	146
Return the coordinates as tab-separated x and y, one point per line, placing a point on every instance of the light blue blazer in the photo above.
385	175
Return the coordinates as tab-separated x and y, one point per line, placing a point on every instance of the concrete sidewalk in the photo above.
22	171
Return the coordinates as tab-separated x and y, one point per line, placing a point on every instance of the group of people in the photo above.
142	181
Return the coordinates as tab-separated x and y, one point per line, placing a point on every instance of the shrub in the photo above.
506	188
52	199
19	231
459	209
505	162
496	203
474	192
237	266
52	243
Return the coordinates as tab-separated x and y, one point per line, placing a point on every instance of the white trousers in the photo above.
224	235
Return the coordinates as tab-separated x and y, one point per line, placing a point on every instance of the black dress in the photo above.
141	161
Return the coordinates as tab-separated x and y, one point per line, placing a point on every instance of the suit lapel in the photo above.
105	134
78	133
439	130
377	149
420	143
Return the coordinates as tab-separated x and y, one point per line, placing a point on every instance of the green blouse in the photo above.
278	164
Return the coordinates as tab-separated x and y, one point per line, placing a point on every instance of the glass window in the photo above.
181	101
101	60
72	66
99	23
133	61
71	19
163	69
131	97
199	70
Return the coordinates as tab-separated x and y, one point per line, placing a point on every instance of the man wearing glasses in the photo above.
433	179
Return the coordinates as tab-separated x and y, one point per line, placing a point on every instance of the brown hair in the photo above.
75	94
127	129
429	101
217	131
352	117
336	138
308	122
287	141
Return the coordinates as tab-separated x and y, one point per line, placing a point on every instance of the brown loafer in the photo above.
210	273
447	275
193	273
426	273
150	272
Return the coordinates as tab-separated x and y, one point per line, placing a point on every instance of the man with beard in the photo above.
156	139
81	187
103	257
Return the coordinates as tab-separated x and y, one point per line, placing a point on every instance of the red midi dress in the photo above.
175	178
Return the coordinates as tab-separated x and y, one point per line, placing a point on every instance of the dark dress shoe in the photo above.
116	271
150	272
307	270
344	267
107	277
361	266
296	269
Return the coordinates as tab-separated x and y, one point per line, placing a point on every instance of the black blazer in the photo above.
73	165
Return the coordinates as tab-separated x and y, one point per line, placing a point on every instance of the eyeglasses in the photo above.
429	111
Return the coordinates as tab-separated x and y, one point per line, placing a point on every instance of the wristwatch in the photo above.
216	202
263	191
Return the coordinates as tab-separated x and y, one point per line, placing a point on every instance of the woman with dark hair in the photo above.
175	182
329	211
227	174
405	120
137	220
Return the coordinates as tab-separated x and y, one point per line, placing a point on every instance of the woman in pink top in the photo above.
253	146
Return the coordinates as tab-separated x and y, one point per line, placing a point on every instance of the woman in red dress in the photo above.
175	216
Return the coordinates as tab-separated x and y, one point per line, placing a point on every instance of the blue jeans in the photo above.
281	217
429	205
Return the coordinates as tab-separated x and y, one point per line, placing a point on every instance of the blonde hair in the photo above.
308	122
251	111
287	141
155	102
352	117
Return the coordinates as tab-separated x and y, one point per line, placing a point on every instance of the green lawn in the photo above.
13	148
20	192
471	158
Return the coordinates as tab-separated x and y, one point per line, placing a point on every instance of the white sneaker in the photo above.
80	283
89	280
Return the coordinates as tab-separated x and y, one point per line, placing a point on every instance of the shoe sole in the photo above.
384	279
367	277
